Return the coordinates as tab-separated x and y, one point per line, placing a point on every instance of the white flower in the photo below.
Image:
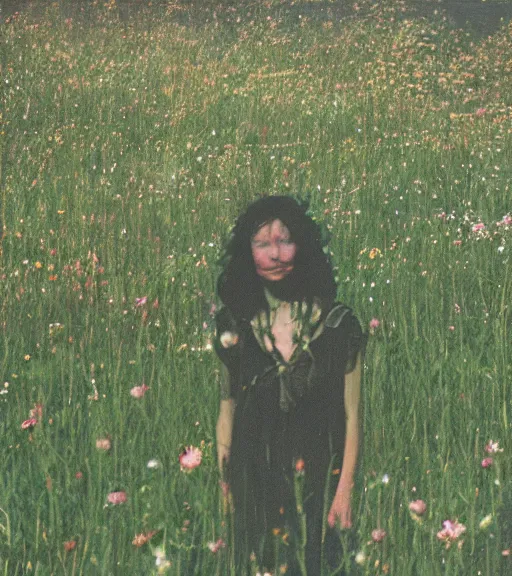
153	464
485	522
385	479
360	558
228	339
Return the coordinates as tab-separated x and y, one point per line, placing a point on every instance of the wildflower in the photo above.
38	265
487	462
30	423
385	479
485	522
374	323
299	466
117	498
360	558
153	464
141	539
103	444
451	531
480	112
507	220
141	301
37	412
506	552
79	475
139	391
190	458
418	507
378	535
26	357
215	546
374	252
493	447
478	227
161	561
69	545
228	339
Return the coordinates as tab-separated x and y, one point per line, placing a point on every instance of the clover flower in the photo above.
378	535
116	498
190	458
450	532
139	391
418	507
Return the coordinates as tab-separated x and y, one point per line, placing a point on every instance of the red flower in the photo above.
30	423
69	545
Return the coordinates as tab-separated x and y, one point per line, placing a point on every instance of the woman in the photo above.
290	392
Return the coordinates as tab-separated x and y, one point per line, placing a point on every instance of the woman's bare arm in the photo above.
352	398
224	423
340	508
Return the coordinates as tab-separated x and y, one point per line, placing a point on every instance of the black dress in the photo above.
270	437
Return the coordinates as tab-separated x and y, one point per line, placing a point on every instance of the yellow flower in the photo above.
38	265
27	357
374	252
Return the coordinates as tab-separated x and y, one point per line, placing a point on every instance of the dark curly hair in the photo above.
241	289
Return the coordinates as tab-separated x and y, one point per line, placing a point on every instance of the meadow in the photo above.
128	147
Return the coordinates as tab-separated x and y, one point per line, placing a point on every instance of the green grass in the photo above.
128	149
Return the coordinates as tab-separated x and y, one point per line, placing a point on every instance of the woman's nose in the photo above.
274	251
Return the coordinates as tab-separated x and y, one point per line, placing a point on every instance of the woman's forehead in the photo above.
272	228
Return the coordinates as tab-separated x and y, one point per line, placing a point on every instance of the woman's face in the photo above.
273	251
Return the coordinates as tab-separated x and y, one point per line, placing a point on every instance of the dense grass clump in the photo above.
128	147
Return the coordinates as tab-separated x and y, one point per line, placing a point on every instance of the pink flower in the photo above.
103	444
215	546
190	458
487	462
493	447
30	423
480	112
117	498
507	220
299	466
374	323
378	535
478	227
141	301
139	391
418	507
451	531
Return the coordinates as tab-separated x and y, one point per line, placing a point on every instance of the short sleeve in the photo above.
227	347
355	340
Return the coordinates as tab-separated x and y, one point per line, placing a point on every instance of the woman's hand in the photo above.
223	451
340	508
